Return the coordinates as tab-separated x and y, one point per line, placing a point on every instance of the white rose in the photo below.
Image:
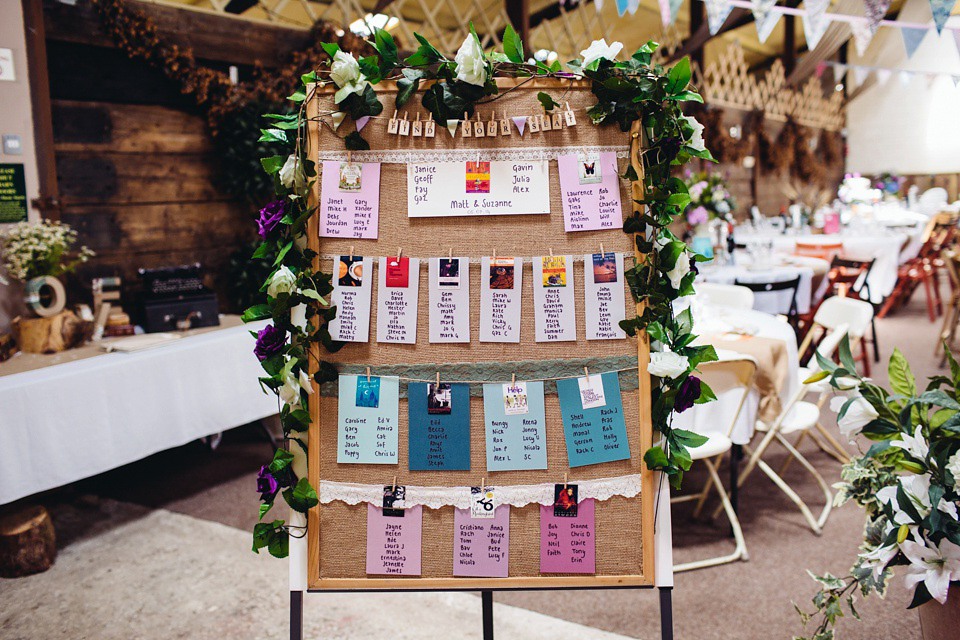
667	364
282	281
953	466
471	66
696	140
288	171
858	415
345	73
292	384
600	49
681	269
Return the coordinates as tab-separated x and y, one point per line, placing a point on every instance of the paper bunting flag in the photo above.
669	10
632	6
337	117
599	4
815	23
862	35
839	72
956	37
821	67
765	16
621	7
362	122
913	37
452	127
941	11
883	75
717	12
905	77
860	75
876	10
520	122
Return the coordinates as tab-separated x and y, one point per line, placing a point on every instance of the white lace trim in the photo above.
410	156
516	495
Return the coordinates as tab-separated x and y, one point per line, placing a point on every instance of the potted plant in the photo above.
907	483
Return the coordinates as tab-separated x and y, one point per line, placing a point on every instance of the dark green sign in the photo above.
13	193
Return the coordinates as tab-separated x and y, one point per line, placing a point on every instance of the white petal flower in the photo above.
282	281
288	171
680	269
667	364
471	65
696	140
915	445
600	49
859	414
345	69
953	466
879	558
934	565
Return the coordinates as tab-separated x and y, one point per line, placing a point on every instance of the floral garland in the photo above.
627	91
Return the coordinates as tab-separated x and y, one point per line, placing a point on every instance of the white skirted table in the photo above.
83	412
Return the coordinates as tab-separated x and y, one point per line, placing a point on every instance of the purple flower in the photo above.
267	485
270	340
687	394
270	217
699	215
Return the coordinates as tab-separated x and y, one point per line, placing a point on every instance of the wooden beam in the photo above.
49	201
519	13
789	43
696	24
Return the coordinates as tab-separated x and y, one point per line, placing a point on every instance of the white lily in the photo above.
599	49
935	566
953	466
917	489
696	140
878	559
292	384
916	445
859	414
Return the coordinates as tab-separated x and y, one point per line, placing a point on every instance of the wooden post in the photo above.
28	543
696	22
789	43
519	13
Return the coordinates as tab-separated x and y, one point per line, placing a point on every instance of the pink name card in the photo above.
394	545
567	545
481	545
349	199
590	191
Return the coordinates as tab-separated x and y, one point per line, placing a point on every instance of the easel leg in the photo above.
296	615
486	599
666	613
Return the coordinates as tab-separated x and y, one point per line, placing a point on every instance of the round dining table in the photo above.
778	268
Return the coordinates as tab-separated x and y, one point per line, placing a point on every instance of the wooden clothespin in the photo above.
586	374
368	374
545	122
569	117
492	125
564	481
551	252
478	131
505	125
351	252
602	252
483	483
533	123
438	378
557	120
395	484
393	124
494	259
405	124
466	127
417	127
349	156
450	253
399	253
429	128
513	379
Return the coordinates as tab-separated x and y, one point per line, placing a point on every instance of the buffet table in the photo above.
73	415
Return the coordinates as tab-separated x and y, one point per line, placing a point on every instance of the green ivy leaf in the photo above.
387	48
355	142
512	45
655	459
256	312
301	497
264	508
331	48
686	96
678	77
272	135
273	164
901	378
326	372
281	460
547	101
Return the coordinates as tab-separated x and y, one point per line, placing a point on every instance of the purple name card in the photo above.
349	199
590	191
394	545
567	545
481	545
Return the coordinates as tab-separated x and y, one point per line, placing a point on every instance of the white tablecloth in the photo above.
719	414
772	302
70	421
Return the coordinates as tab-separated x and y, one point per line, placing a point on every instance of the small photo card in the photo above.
351	271
439	398
501	273
604	267
394	500
482	502
589	168
368	392
565	501
351	176
554	271
515	398
478	176
448	276
591	392
398	272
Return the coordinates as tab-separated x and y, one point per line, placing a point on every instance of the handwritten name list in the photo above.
354	210
603	296
555	316
367	421
397	306
515	441
568	545
394	545
439	439
449	299
481	546
593	435
499	188
499	305
590	201
352	296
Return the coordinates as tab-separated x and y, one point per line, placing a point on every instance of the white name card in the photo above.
477	188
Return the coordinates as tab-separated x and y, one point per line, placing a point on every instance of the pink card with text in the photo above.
394	545
590	191
481	545
567	545
349	199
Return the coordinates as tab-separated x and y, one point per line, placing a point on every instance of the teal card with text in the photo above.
597	433
367	419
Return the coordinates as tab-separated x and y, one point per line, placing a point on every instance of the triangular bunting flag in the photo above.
876	10
632	6
912	38
362	122
862	35
674	10
931	78
815	23
941	11
839	71
599	4
452	127
765	16
821	67
717	12
860	75
956	37
520	122
883	75
905	77
337	117
668	11
621	7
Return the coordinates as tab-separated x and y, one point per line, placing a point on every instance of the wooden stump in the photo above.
28	543
50	335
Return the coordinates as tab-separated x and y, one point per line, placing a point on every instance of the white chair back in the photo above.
932	200
837	310
728	295
830	342
732	371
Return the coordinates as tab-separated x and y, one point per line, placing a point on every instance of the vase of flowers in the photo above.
907	483
710	210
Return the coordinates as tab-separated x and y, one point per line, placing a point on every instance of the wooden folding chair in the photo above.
723	375
951	317
824	251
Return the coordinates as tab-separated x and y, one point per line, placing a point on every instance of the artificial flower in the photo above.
934	565
471	65
282	281
682	266
267	485
293	384
270	340
599	49
696	139
859	414
953	466
270	217
915	445
667	364
288	171
917	489
687	394
698	215
877	559
345	73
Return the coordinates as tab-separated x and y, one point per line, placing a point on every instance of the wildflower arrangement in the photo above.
710	198
31	250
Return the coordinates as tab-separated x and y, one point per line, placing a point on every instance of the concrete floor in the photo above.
742	600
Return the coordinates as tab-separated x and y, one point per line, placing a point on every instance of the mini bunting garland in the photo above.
912	38
520	122
362	122
337	118
941	12
815	23
717	12
452	127
765	17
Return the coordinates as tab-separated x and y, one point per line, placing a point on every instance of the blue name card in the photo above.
439	430
596	434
